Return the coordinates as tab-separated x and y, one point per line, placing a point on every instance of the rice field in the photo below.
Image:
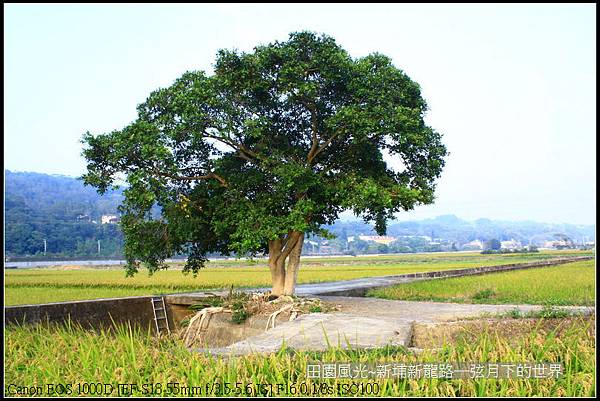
80	362
67	360
41	285
568	284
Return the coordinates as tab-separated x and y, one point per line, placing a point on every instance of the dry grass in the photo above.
513	331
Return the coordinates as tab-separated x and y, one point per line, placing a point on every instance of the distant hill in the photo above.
453	229
62	211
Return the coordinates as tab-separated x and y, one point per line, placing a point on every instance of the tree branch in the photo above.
193	177
290	243
322	148
314	133
243	151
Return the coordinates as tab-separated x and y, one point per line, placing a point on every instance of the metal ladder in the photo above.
160	315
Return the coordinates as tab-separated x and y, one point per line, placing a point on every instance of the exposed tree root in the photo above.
199	323
256	304
273	316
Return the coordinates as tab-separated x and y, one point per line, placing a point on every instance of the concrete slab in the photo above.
318	331
365	323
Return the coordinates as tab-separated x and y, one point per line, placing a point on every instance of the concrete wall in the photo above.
98	313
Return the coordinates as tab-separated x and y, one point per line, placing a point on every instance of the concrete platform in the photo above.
366	323
317	331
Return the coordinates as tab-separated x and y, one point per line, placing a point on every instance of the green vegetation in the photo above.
211	302
528	249
30	286
21	295
547	312
238	303
66	354
60	210
239	315
568	284
484	294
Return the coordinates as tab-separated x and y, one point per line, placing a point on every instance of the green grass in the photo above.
37	295
547	312
38	355
29	286
568	284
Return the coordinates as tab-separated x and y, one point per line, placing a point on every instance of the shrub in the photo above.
484	294
239	316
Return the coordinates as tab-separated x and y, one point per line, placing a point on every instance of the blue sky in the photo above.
511	87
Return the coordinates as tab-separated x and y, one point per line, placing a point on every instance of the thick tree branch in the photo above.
321	148
291	241
314	132
243	151
194	177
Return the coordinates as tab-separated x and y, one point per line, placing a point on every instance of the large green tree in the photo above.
272	146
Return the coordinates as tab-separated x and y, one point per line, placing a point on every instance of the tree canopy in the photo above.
273	145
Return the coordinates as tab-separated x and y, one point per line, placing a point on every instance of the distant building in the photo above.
380	239
325	247
84	217
473	245
556	244
425	237
109	219
512	244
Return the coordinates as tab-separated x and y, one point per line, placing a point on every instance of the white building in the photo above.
512	244
380	239
109	219
555	244
473	245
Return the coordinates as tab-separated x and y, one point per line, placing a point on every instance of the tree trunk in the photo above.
284	281
291	275
277	267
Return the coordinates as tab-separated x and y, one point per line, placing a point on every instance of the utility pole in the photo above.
44	246
98	246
